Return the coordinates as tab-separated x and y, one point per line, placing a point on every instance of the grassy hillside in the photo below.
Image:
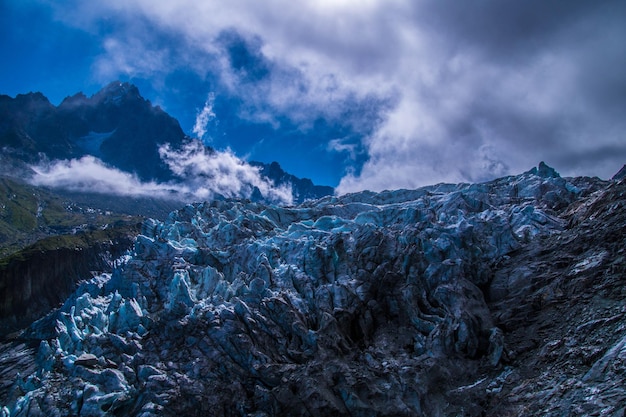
29	214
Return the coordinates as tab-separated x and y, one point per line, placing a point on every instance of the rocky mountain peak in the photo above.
116	125
71	102
621	174
302	188
117	92
24	106
35	98
544	171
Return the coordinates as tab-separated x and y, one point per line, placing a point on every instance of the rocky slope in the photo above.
560	303
501	298
51	240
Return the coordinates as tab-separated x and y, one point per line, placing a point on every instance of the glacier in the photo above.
358	305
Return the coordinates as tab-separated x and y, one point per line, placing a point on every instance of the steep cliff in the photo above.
38	278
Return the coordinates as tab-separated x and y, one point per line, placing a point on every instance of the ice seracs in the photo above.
351	305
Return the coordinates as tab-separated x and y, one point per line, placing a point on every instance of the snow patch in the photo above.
588	263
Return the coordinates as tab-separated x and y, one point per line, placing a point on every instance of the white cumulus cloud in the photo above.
90	174
204	117
206	172
202	176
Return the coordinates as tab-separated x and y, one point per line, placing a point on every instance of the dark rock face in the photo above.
502	298
621	174
135	129
22	120
302	188
116	125
565	335
38	278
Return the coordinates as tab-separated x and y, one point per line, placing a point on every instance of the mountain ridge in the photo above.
57	131
116	125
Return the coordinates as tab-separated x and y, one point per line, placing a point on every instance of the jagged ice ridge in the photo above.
351	305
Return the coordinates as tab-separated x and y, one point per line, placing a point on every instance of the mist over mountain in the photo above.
117	142
77	178
303	188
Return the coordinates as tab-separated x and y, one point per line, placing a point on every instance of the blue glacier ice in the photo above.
233	302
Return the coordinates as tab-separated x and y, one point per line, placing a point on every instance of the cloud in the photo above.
89	174
278	58
492	98
207	172
470	90
339	145
202	176
204	117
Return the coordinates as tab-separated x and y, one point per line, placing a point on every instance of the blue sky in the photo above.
355	94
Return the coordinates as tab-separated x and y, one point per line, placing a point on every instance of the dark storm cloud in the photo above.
589	36
504	29
534	80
